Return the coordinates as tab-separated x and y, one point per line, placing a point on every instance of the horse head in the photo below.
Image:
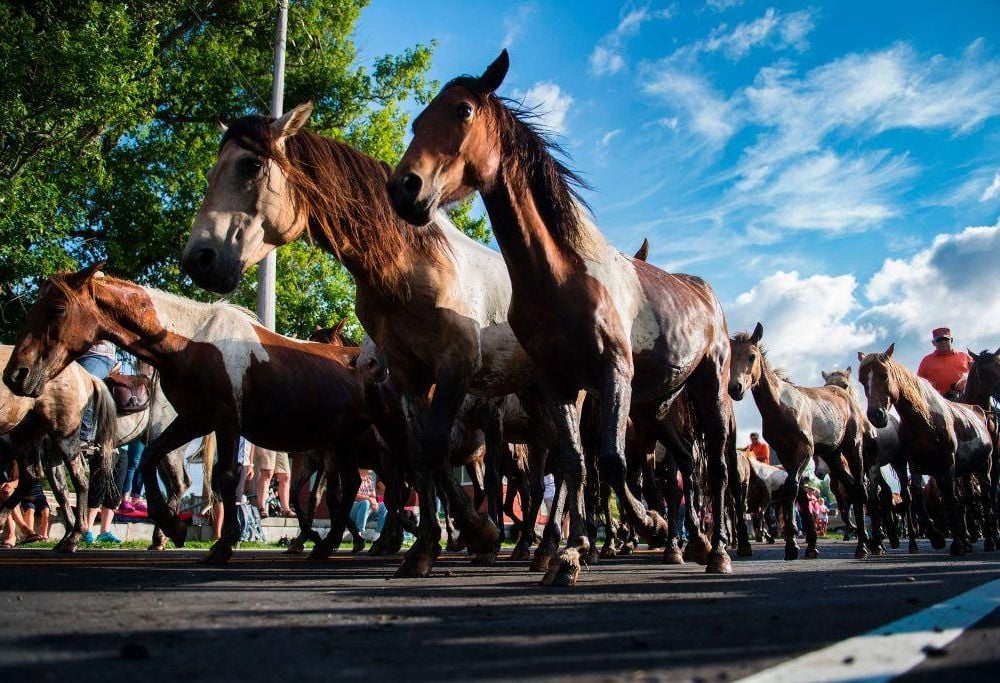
61	325
746	362
875	372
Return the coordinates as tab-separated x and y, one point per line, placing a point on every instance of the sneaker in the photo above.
139	505
109	537
87	538
126	507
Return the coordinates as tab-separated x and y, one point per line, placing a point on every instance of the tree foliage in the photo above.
108	127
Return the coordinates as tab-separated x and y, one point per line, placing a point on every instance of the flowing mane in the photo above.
341	192
527	157
906	381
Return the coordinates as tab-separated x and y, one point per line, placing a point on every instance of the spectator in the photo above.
274	463
103	497
35	501
132	490
8	484
365	503
246	473
758	449
98	361
945	367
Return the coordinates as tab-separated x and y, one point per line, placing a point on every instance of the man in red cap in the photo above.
946	366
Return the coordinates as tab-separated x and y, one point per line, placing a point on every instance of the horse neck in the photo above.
767	391
976	392
155	327
909	411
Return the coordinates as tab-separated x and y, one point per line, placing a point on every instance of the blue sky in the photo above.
833	169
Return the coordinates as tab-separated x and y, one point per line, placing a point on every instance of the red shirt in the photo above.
761	451
944	369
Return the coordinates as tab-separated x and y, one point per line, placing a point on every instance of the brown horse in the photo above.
800	423
943	439
220	371
434	301
44	434
590	317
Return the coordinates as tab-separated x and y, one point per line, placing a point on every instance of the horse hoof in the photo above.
319	554
744	551
914	548
958	549
719	563
484	559
812	554
860	553
673	556
879	550
540	563
416	566
938	542
218	556
608	552
627	549
295	550
358	546
658	528
564	571
520	554
66	546
894	543
157	547
481	536
455	545
697	550
791	554
593	556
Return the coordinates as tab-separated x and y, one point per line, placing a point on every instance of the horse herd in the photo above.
605	371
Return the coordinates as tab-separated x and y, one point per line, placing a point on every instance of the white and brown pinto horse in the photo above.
50	421
940	438
433	300
220	370
801	423
590	317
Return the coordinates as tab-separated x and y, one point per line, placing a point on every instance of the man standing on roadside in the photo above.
945	367
758	449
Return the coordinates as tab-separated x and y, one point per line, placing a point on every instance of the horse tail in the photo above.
106	435
207	463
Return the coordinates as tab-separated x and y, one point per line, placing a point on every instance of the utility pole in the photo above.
266	271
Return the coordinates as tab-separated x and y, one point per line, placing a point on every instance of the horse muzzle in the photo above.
736	391
22	382
878	417
404	194
210	269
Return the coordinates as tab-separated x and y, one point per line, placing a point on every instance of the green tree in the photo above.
108	126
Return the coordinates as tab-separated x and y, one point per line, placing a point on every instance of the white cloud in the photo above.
608	137
550	103
773	29
993	190
516	21
606	58
723	5
707	111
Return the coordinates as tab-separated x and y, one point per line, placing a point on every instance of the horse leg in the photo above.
888	514
343	482
225	480
854	482
304	516
173	474
390	539
79	474
907	501
57	478
987	496
808	524
956	517
493	485
178	433
672	553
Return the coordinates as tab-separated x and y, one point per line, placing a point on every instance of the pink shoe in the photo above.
126	507
139	506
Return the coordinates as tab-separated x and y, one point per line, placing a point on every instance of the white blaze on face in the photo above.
227	328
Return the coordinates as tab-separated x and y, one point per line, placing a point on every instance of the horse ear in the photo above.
861	356
80	279
758	332
223	128
292	122
643	252
495	73
317	328
888	351
339	327
848	371
973	355
825	376
997	352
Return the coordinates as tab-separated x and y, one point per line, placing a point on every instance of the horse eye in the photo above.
464	111
254	165
58	310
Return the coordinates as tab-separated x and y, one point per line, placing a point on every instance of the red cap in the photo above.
941	332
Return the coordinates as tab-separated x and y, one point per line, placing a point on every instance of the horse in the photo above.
220	370
44	430
766	483
800	423
589	317
434	301
940	438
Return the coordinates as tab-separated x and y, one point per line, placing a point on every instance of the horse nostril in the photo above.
204	259
411	184
19	375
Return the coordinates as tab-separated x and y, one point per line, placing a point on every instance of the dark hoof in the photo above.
959	549
520	553
894	543
66	546
218	555
719	563
812	553
657	532
455	545
627	549
879	550
178	534
481	536
157	547
608	552
673	556
697	550
484	559
744	551
914	548
791	553
359	545
415	566
860	553
386	545
938	542
565	570
320	553
593	555
540	563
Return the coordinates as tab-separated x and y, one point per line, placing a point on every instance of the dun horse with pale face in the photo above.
589	317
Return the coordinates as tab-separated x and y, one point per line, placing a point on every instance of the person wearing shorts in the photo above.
270	463
104	497
35	503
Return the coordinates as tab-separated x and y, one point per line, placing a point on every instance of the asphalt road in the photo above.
103	615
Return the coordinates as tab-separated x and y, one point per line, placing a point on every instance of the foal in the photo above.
800	422
220	370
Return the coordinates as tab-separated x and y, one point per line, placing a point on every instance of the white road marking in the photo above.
889	650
